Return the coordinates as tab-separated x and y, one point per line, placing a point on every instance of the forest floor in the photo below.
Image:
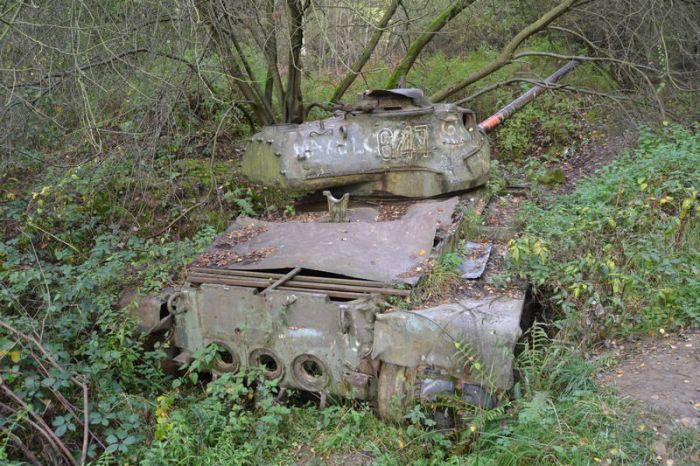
588	159
662	372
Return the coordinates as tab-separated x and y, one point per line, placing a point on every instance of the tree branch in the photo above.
634	66
506	55
359	63
230	32
423	39
551	86
45	429
236	75
19	444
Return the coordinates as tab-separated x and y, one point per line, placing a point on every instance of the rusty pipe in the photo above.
525	98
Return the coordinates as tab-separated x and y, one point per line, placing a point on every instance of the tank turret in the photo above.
392	143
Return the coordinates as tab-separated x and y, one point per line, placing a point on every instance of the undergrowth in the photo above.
621	253
60	287
557	416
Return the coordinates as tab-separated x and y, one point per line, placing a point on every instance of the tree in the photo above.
253	58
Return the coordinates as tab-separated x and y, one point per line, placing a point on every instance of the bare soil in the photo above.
663	372
589	158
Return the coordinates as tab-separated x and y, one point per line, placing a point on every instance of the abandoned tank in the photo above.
311	299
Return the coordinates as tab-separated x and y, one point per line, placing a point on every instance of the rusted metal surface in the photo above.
305	341
305	299
147	310
394	142
311	313
387	252
377	98
488	328
474	257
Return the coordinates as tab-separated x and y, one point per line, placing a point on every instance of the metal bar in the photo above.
320	287
261	282
332	294
252	283
525	98
284	279
273	276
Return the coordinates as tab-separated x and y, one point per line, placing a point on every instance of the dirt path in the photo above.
663	372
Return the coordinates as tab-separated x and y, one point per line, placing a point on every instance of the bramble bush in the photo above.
64	260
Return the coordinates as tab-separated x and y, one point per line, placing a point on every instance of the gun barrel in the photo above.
498	117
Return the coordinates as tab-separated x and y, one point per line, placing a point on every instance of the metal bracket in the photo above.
172	308
338	208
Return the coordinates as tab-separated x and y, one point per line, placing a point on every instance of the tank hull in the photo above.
324	326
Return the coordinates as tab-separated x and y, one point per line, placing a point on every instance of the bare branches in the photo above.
423	39
86	425
216	17
10	23
367	52
506	54
31	457
631	65
39	423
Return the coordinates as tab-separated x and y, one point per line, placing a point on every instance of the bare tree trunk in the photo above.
506	54
356	67
293	105
273	80
424	38
237	77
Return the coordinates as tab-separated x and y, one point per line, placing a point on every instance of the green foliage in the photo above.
434	72
620	254
63	263
684	442
553	177
224	427
442	280
559	416
538	129
83	332
449	262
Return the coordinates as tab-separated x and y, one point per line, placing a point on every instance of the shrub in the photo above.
621	253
